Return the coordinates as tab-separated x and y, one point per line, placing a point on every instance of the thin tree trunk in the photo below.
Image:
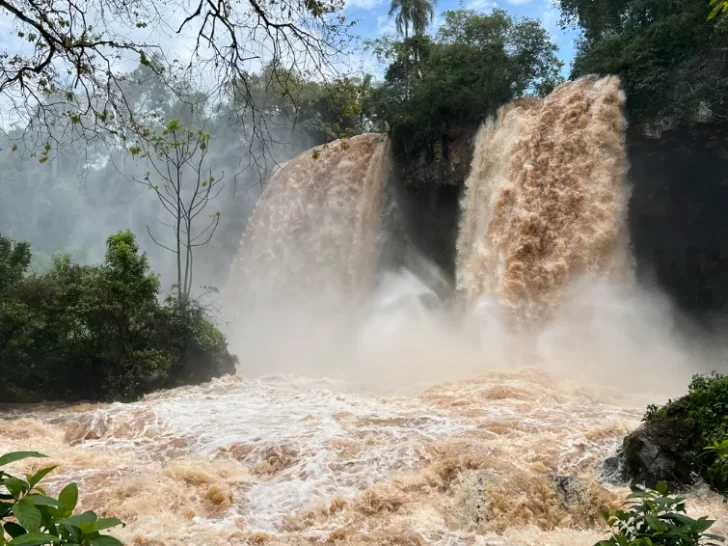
179	249
406	61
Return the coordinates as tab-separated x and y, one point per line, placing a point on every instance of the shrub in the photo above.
29	517
703	410
98	332
654	518
717	466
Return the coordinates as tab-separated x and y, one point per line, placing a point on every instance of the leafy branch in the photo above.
30	517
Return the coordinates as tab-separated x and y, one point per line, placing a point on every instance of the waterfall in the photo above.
316	227
546	199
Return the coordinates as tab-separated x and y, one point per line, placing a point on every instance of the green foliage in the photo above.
475	64
100	332
317	111
705	412
29	517
717	470
415	14
668	53
654	518
719	7
14	260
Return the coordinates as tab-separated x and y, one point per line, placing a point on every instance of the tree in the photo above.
475	64
668	53
417	13
99	332
75	48
411	12
177	157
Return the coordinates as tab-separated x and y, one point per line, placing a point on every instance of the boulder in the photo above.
653	453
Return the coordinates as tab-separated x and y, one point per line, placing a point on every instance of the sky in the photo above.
373	21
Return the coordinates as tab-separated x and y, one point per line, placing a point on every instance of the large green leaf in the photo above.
5	508
38	476
18	456
105	540
33	539
108	523
44	500
69	498
16	486
703	524
27	514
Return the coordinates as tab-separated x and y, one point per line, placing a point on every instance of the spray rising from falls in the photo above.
546	199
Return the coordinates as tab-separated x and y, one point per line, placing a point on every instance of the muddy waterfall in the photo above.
361	414
546	198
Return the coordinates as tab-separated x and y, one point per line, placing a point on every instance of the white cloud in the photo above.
518	2
363	4
481	5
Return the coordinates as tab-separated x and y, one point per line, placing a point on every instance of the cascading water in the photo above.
316	225
504	449
546	199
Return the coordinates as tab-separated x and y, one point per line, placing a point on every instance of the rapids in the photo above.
294	460
385	416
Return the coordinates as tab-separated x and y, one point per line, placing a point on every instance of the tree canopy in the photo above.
474	64
669	54
415	14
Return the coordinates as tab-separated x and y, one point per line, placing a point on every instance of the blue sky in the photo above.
373	21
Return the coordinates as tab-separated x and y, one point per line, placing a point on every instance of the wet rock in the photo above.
612	470
571	490
653	454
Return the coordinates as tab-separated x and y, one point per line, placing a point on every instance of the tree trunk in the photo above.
406	61
179	249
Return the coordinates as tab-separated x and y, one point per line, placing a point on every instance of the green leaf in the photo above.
49	515
16	486
79	519
18	456
71	532
44	500
38	476
69	498
108	523
27	514
703	524
32	539
655	523
105	540
88	516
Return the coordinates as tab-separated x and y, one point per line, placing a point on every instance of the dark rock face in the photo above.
652	454
427	187
677	220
